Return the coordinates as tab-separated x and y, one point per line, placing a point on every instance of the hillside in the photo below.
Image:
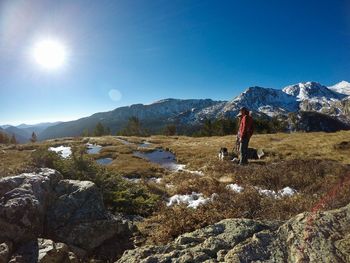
153	116
23	132
264	102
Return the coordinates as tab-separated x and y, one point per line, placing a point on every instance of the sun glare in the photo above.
50	54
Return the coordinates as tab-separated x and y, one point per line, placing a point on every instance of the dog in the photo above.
223	154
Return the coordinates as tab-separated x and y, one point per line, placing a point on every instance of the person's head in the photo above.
243	111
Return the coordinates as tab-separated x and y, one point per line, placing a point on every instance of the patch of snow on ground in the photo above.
235	187
192	200
132	180
63	151
286	191
155	179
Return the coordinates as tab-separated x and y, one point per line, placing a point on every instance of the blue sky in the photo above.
154	49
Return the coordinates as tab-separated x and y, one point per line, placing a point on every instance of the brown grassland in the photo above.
311	163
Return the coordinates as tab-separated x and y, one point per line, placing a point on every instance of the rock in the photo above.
44	251
200	245
71	213
78	217
23	203
307	237
50	251
5	251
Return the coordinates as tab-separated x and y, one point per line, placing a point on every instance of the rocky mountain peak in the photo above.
311	90
342	87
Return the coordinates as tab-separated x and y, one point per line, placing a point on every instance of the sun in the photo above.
50	54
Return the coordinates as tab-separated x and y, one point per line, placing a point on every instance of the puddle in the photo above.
165	159
93	148
124	141
104	161
145	144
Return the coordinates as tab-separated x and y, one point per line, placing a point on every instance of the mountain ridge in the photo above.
268	102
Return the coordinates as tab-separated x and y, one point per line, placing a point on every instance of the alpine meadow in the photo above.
174	131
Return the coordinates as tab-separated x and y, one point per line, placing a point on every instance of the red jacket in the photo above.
246	127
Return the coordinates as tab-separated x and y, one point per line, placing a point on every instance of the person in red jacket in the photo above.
246	129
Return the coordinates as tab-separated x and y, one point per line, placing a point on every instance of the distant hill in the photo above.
153	117
23	132
22	136
331	104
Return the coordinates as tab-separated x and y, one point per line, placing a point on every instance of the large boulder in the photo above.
307	237
43	251
78	216
24	200
70	212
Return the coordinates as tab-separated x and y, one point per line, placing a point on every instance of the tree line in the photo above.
7	139
217	127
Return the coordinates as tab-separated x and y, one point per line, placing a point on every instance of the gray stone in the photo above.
307	237
42	204
5	251
44	251
78	217
23	203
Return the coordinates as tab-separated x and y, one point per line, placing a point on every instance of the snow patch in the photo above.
235	187
191	200
63	151
285	192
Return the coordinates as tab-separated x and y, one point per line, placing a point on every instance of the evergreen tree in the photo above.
170	130
33	138
85	133
133	128
13	139
99	129
4	138
208	128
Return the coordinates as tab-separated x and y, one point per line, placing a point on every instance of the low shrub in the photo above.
119	195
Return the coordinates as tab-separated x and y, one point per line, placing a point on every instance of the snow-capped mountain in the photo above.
312	91
267	102
342	87
264	100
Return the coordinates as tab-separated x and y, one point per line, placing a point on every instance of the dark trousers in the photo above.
243	151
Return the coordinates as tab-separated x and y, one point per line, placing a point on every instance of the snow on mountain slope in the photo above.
264	100
308	96
342	87
312	91
313	96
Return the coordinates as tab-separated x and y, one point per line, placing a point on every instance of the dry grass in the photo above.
316	181
14	161
312	163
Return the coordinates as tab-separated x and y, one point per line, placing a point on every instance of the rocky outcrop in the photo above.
307	237
70	214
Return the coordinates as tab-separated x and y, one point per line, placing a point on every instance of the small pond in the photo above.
145	144
165	159
93	148
104	161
